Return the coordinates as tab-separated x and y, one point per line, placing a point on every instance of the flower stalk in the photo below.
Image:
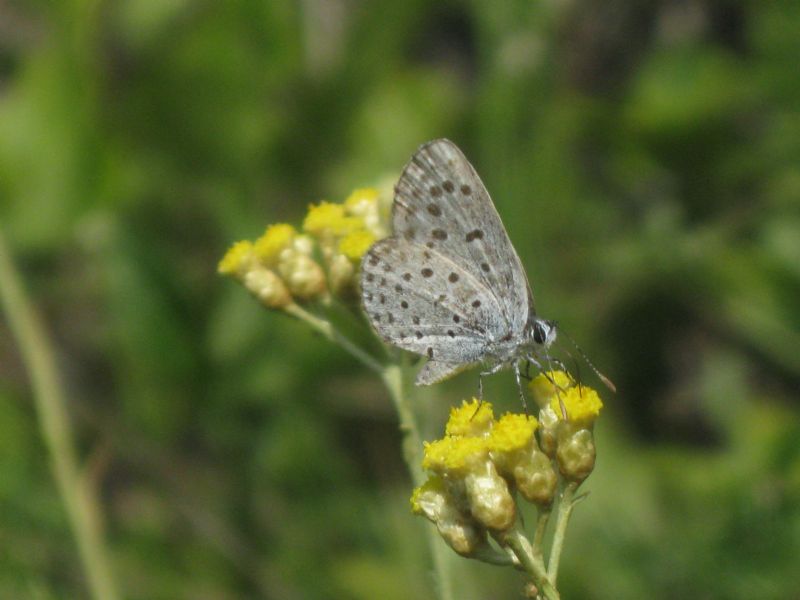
533	565
565	506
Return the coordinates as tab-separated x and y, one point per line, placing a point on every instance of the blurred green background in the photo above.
645	157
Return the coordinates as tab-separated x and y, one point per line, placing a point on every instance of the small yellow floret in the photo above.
469	419
433	484
543	390
453	454
236	258
582	403
275	239
355	244
327	217
360	197
512	432
435	453
465	452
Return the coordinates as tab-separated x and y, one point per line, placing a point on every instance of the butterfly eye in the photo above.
539	332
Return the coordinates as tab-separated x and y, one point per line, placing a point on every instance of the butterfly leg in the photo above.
527	374
483	374
518	376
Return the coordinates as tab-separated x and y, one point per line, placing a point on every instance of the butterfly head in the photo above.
543	333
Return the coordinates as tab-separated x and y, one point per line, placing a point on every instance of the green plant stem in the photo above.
541	527
533	565
393	377
565	505
80	502
329	331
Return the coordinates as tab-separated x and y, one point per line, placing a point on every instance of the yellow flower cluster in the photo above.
285	265
481	464
476	469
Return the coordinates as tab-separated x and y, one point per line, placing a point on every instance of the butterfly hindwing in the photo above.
420	300
435	371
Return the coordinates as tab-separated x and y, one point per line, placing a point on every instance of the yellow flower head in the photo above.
543	390
328	218
452	454
356	243
512	432
276	238
362	200
237	259
470	419
582	403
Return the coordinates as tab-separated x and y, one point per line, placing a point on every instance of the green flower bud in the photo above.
461	533
576	452
265	285
535	478
548	430
490	501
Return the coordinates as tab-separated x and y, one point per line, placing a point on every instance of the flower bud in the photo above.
341	272
535	478
303	276
548	430
461	533
265	285
576	452
489	499
303	244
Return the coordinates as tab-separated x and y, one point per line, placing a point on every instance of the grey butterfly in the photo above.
448	284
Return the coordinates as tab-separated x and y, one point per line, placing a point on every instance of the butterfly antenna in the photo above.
606	381
575	362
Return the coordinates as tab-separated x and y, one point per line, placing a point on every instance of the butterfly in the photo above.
448	284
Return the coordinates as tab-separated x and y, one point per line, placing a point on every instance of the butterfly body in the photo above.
448	285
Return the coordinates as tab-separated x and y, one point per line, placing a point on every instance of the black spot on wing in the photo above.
475	234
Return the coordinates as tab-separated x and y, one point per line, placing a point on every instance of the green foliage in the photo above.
644	159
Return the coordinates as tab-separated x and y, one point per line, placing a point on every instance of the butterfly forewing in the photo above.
440	203
422	301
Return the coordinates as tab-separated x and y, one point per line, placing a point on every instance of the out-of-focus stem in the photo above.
80	502
329	331
393	378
